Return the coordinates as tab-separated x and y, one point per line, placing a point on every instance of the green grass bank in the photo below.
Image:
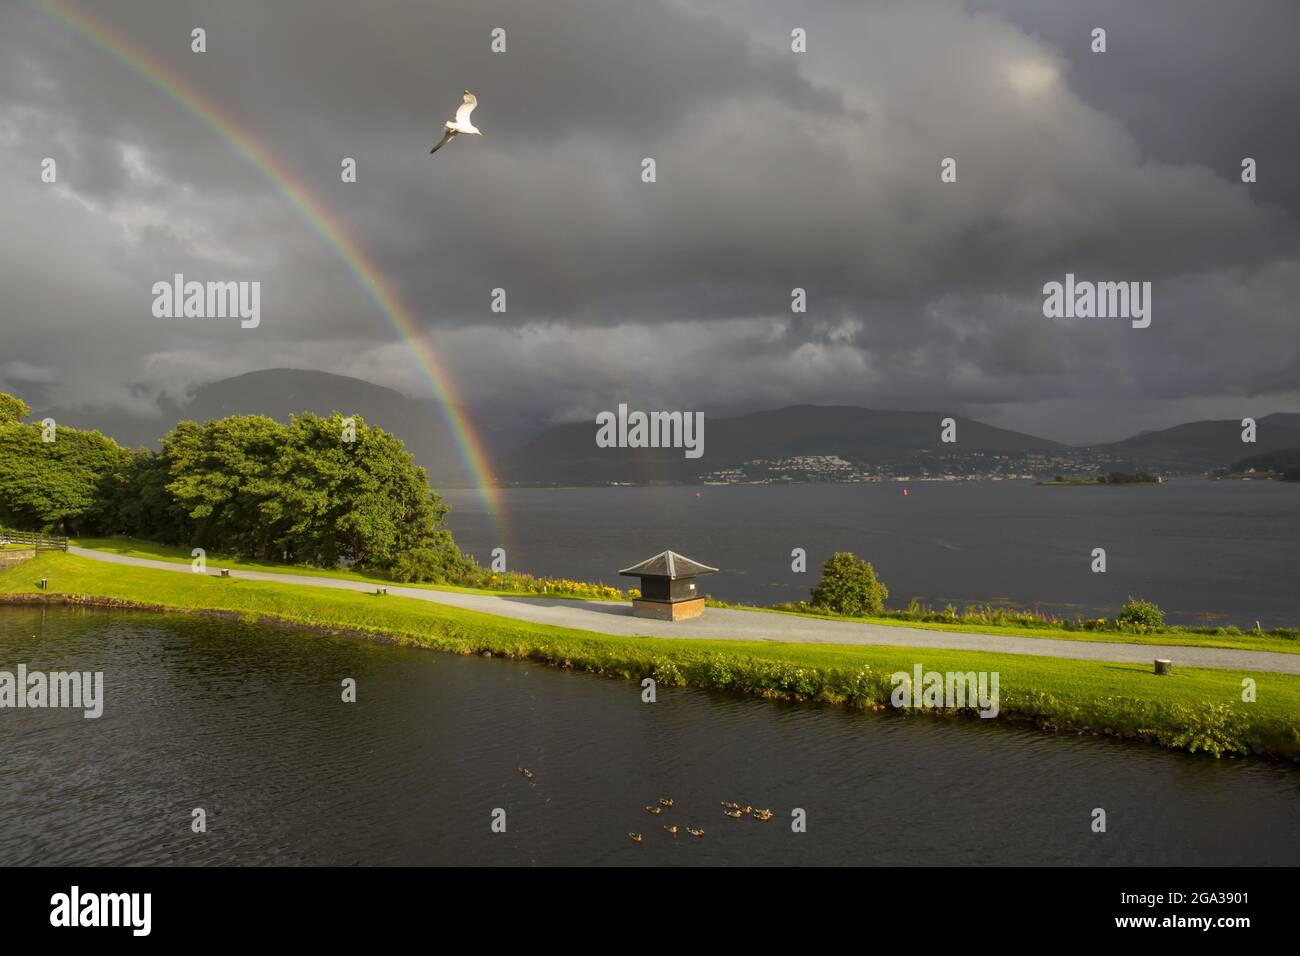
562	589
984	620
1198	710
1020	624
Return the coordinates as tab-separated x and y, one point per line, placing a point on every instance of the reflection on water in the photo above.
247	722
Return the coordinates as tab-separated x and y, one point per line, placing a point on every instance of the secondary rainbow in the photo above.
367	274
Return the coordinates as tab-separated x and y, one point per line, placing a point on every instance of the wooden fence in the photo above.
34	539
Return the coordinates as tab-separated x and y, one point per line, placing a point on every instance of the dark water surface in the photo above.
247	723
1218	552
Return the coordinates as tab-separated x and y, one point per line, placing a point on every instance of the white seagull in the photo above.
460	124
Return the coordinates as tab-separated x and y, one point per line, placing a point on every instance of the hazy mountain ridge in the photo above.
281	392
906	442
1205	445
567	453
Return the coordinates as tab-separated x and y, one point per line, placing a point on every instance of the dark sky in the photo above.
775	170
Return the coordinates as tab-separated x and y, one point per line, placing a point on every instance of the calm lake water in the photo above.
247	723
1216	552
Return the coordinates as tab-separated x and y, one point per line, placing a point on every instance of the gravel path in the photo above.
608	617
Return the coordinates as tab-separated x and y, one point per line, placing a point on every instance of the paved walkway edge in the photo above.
606	617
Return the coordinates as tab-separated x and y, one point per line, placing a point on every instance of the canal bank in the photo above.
248	723
1195	709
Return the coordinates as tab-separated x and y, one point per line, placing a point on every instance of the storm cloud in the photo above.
775	170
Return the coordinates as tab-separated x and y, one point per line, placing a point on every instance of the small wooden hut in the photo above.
668	591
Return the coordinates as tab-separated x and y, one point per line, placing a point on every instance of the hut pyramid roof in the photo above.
668	564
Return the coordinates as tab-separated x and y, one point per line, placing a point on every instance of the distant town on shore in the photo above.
800	443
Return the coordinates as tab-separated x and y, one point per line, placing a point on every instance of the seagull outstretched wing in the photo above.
467	107
447	137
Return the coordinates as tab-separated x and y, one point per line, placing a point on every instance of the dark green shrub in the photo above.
849	586
429	565
1137	615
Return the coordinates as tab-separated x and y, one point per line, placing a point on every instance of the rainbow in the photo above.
315	213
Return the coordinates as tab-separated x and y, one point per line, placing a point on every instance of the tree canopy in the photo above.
68	485
313	491
12	409
298	492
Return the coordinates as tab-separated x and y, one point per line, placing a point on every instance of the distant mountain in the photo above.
1285	462
1203	446
567	454
130	431
280	392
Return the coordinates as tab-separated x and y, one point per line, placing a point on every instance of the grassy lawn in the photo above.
1244	641
1194	709
135	548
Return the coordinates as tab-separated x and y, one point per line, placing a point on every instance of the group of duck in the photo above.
736	811
733	810
666	803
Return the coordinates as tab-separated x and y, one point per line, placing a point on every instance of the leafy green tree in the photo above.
363	500
300	492
223	480
143	506
65	486
245	485
12	409
849	586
